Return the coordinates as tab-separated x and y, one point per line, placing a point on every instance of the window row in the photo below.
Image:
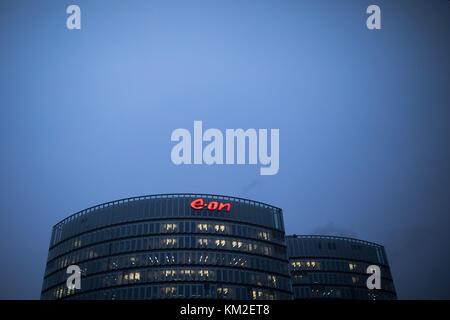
316	292
331	278
343	249
158	243
142	276
173	258
334	265
181	291
140	229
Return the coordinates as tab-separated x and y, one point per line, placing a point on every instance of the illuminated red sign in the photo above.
199	204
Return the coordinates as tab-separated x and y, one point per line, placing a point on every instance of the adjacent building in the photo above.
336	267
204	246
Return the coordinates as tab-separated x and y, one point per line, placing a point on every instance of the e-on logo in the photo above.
199	204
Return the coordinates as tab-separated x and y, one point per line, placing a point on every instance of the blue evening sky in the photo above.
86	117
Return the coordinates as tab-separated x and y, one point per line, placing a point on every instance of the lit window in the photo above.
272	280
168	227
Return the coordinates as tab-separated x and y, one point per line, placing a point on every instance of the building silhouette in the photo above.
171	246
204	246
336	267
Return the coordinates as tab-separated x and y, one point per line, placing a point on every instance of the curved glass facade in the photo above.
335	267
171	246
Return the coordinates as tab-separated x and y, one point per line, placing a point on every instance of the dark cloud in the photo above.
330	229
254	186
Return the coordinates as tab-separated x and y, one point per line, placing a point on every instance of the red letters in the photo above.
223	205
199	204
213	205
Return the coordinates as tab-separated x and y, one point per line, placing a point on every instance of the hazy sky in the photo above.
86	117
